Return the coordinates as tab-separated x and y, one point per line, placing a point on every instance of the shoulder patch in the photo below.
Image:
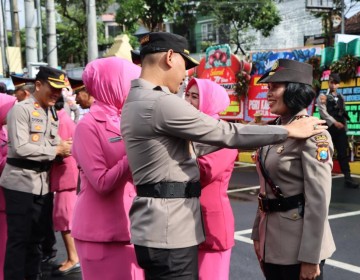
322	151
319	138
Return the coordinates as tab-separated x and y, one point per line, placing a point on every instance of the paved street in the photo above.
344	221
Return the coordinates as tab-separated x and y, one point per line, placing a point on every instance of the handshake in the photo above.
64	148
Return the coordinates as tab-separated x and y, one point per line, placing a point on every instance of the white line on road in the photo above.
342	215
349	267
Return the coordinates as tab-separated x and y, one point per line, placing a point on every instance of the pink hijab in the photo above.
108	80
213	98
6	103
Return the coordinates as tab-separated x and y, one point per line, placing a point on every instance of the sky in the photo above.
355	9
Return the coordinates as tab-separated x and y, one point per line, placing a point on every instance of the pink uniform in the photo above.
63	179
6	102
215	172
101	225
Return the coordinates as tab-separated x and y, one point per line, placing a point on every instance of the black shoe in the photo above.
75	268
351	184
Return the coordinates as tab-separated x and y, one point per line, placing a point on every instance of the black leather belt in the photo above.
170	190
280	204
38	166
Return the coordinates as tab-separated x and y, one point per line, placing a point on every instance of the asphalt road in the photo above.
344	219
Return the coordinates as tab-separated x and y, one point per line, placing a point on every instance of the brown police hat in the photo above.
162	42
289	71
55	77
21	81
76	83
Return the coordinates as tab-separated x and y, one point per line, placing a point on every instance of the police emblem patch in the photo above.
320	138
35	137
322	152
35	114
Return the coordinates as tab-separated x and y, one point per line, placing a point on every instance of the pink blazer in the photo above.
64	174
101	212
215	173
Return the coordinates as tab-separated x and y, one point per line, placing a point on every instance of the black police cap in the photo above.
55	77
21	81
76	83
162	42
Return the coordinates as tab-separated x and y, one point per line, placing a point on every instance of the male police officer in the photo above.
332	109
82	97
157	126
33	144
23	87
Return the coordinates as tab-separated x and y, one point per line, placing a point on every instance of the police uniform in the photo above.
33	140
291	223
165	216
332	109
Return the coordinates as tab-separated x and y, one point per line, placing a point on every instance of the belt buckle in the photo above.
261	198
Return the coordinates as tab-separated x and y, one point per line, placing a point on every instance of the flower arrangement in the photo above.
242	83
346	67
315	62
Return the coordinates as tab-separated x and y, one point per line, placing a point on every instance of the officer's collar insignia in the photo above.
320	138
280	149
36	105
36	114
322	152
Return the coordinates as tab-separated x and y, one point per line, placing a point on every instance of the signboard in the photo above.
263	61
220	66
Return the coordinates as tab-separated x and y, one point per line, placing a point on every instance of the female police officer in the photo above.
291	232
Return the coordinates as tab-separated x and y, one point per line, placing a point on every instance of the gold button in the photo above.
294	216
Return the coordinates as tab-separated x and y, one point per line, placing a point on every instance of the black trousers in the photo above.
25	220
286	272
165	264
341	145
48	245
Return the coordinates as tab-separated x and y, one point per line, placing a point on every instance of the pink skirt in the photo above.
64	203
214	265
108	260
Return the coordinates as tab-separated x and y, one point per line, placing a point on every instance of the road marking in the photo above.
343	215
243	189
238	235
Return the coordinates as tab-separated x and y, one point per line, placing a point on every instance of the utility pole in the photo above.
39	28
92	32
52	56
5	67
342	17
30	26
15	23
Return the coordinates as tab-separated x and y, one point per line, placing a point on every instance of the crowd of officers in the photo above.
157	126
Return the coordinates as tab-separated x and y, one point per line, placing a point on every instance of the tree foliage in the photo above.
72	30
150	13
261	15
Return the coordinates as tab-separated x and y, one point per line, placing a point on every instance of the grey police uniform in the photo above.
32	136
301	234
157	127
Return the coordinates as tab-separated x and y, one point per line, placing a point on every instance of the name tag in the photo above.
115	139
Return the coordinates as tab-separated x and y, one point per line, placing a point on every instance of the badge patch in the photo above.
35	137
322	152
280	149
320	138
36	114
38	127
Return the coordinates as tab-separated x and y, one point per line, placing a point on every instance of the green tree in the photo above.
150	13
261	15
72	30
